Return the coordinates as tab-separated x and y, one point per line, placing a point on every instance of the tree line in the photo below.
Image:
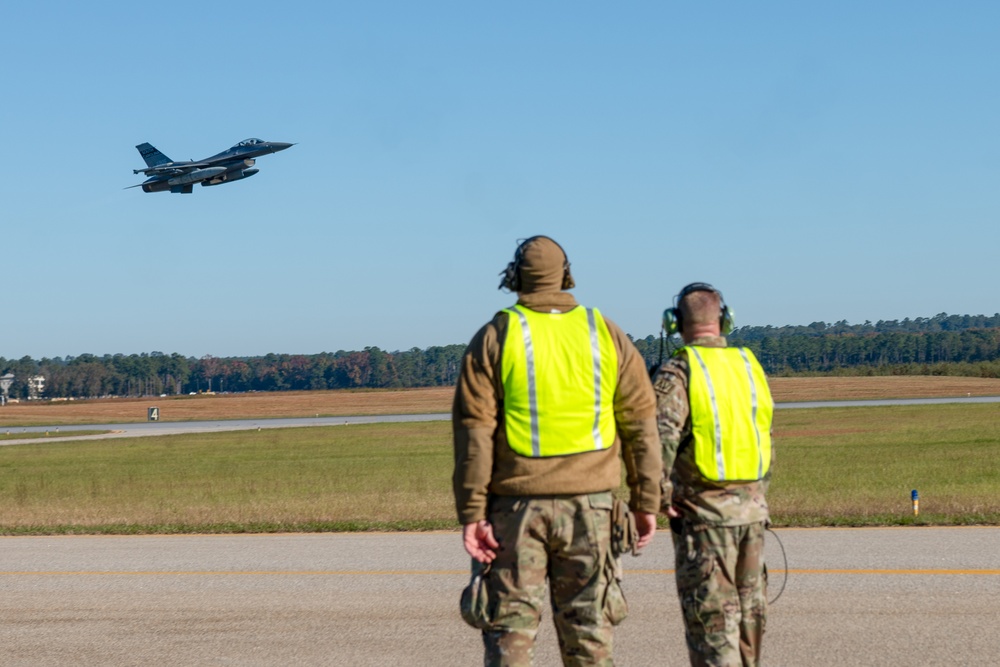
938	323
90	376
941	345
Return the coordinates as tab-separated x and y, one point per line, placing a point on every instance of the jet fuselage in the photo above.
230	165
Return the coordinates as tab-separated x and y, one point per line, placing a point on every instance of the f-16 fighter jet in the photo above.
226	167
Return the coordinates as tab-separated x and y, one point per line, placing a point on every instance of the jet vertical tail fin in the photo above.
151	155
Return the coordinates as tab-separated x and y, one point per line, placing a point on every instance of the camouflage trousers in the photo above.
564	540
722	585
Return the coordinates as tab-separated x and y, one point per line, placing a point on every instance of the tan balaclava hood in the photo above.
541	266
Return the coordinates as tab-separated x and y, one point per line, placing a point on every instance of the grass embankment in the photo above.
361	477
845	466
857	466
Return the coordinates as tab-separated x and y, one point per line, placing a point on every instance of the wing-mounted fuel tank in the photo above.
196	175
183	182
236	173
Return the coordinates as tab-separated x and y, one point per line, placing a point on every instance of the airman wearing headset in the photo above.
714	415
551	396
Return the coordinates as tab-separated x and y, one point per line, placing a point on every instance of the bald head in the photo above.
701	312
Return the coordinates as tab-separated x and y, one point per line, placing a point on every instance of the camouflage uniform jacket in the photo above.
697	498
484	462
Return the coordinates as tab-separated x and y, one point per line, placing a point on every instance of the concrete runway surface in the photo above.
893	596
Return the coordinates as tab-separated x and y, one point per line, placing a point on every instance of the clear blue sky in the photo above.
815	161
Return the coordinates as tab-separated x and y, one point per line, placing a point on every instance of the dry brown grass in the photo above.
433	400
858	388
231	406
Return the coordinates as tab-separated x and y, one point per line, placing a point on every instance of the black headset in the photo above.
672	319
511	279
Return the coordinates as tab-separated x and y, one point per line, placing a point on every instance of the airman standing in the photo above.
714	415
551	395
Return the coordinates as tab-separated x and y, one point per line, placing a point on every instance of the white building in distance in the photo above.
36	387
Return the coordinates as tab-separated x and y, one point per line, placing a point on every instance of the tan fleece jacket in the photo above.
485	464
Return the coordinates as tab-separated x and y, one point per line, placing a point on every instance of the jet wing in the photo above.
178	168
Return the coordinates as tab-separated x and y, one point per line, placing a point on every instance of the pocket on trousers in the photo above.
602	500
615	604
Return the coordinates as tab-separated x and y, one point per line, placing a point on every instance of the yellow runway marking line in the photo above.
846	571
409	573
220	573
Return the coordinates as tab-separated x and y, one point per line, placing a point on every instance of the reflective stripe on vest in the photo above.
559	373
731	409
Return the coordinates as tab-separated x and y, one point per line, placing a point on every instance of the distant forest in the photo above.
967	345
940	345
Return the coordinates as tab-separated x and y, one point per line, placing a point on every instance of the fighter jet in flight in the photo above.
228	166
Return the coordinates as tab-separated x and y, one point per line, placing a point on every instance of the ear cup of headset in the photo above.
568	282
672	321
727	322
511	278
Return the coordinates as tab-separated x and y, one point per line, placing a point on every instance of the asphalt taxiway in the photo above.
892	596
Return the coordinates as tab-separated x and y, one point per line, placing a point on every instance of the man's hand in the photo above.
645	524
479	541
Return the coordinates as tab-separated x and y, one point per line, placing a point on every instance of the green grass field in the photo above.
834	466
857	466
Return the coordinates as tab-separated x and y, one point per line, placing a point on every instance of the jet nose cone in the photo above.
280	146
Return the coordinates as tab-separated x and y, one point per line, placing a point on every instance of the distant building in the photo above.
36	387
5	382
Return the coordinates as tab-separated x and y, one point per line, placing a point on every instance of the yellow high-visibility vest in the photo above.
560	373
731	410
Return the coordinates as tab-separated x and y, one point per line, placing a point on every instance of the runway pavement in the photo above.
141	429
893	596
